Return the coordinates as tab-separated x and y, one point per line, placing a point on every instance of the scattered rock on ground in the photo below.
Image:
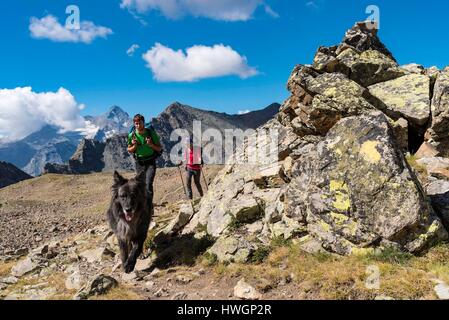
24	267
99	285
246	292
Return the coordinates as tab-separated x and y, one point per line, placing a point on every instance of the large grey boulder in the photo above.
407	97
370	67
355	190
319	101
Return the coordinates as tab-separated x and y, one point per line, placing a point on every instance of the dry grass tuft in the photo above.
5	268
330	277
119	293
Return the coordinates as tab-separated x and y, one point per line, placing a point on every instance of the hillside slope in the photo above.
54	206
10	174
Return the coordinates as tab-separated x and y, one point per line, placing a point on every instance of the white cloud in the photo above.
49	27
271	12
227	10
23	112
315	4
198	62
132	49
241	112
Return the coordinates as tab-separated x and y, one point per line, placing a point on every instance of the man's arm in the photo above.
132	145
153	141
156	147
132	148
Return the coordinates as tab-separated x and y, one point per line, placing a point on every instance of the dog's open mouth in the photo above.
128	215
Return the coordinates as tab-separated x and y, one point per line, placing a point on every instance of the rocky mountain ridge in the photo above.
113	155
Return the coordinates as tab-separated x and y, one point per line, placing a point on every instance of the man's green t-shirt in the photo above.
144	151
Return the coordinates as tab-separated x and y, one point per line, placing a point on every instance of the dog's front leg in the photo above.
123	251
136	250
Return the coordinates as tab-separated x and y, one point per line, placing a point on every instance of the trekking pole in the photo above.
184	187
205	181
183	184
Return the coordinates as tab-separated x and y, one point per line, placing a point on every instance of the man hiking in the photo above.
144	144
194	163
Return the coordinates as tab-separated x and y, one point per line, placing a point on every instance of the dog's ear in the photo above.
118	179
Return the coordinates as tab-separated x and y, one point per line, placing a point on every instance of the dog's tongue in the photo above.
128	216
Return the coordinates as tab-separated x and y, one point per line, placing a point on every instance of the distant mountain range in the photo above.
182	116
49	147
112	154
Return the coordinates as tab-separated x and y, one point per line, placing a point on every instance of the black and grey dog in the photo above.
129	217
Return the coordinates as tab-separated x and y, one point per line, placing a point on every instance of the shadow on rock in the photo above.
179	250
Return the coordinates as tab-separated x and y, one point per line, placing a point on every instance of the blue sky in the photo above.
101	74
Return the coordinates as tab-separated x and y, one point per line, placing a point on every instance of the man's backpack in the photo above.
149	127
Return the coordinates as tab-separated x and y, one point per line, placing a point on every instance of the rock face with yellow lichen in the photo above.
355	190
406	97
340	181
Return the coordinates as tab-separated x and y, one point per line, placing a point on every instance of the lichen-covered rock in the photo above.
438	191
370	67
363	37
340	179
433	73
325	59
270	176
330	97
356	189
101	284
243	192
241	210
413	68
186	211
401	132
433	163
439	130
97	255
287	229
367	67
214	205
24	267
310	245
232	249
436	167
407	97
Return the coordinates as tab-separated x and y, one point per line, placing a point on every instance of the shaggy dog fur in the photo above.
129	217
